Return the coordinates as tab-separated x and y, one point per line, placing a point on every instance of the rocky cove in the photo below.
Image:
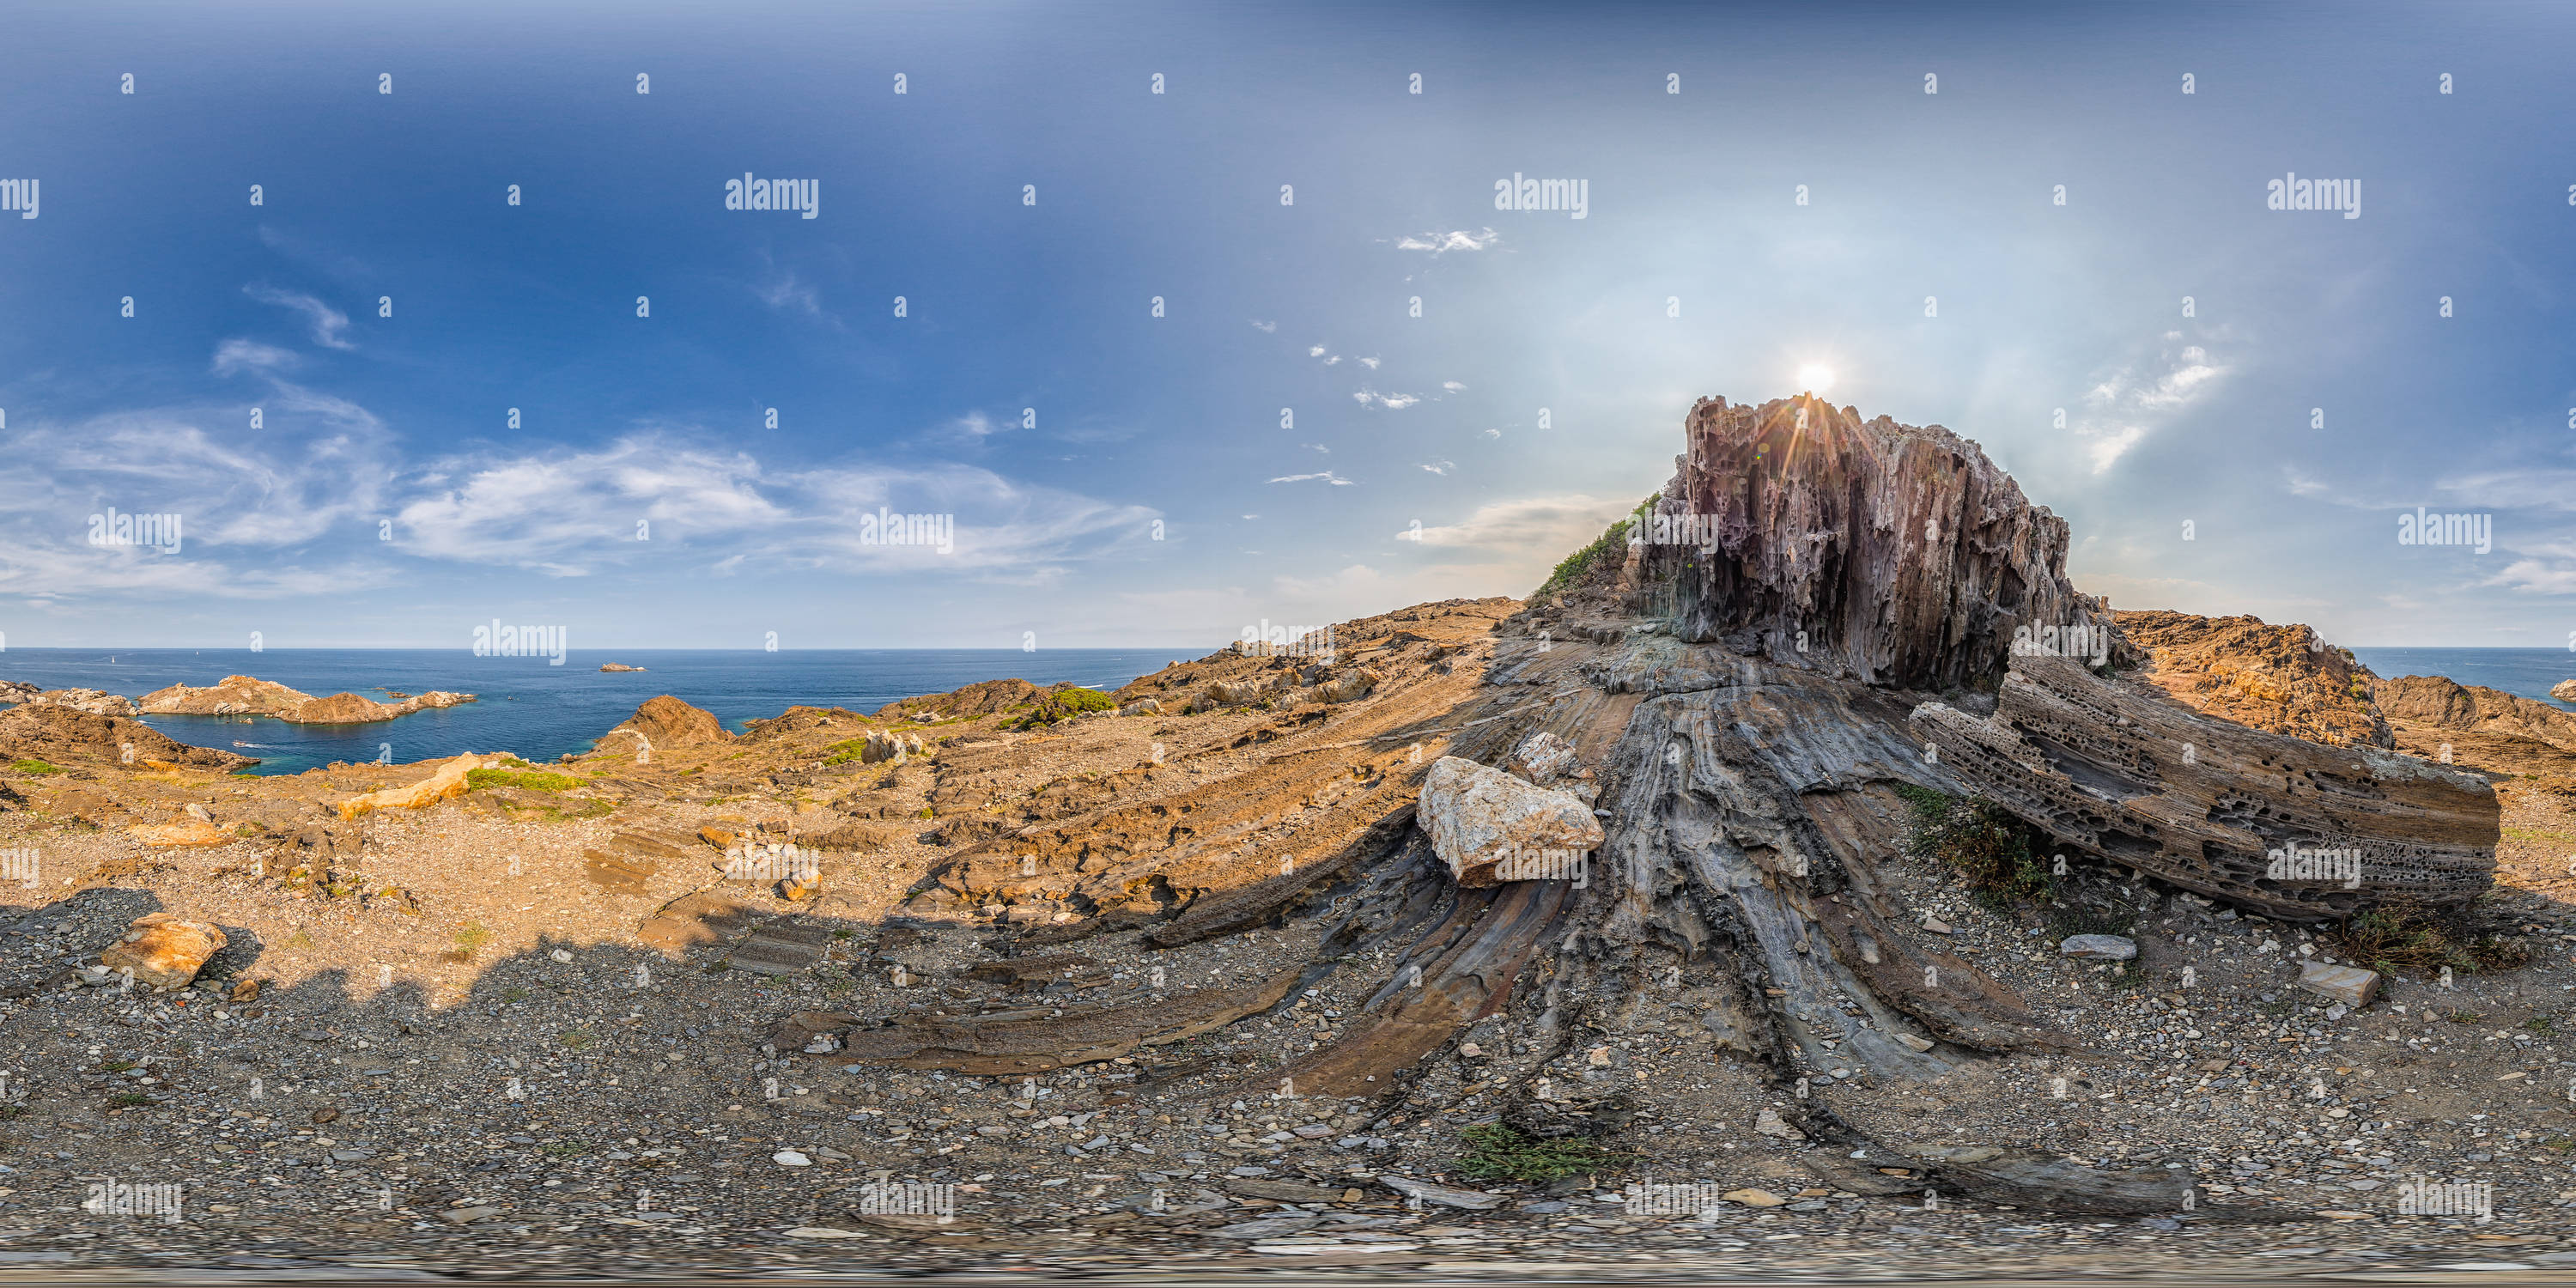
1891	944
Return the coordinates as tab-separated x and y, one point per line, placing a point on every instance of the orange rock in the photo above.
162	950
448	781
189	832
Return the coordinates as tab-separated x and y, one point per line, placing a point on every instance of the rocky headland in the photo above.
1810	878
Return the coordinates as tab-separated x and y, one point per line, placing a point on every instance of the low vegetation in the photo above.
1499	1152
1983	842
1610	547
35	768
1062	705
534	780
2405	937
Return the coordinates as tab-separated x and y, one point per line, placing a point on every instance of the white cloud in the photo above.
1265	327
1370	363
330	325
1316	352
1552	526
2127	405
1453	386
1441	467
1328	476
232	356
1393	402
1493	433
1440	243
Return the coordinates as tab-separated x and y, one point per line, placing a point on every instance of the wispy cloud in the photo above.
1393	402
2128	404
1441	467
1440	243
1327	476
330	325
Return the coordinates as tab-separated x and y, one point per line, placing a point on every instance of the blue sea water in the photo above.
2524	672
536	710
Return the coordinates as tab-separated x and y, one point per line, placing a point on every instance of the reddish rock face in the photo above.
1882	552
669	722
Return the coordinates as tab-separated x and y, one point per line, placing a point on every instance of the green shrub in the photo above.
35	767
1063	705
1612	545
1982	841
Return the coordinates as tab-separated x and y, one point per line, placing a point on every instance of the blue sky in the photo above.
1031	393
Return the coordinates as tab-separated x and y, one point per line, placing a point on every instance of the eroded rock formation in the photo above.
246	695
2118	772
1896	555
2432	702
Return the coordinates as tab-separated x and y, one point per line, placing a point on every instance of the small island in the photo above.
618	666
244	695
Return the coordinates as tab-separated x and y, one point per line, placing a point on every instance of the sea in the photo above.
542	712
538	711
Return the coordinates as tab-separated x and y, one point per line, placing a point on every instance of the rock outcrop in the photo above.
2434	702
97	702
666	722
1490	827
67	735
13	691
447	780
2281	679
1869	550
2564	690
247	695
2118	772
618	666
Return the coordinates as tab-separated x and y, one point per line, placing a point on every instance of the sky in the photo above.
1257	348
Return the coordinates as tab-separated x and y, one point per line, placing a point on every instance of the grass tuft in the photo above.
1497	1152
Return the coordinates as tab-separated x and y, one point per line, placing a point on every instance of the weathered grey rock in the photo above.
1883	552
2116	770
1445	1196
2350	985
1489	826
2109	948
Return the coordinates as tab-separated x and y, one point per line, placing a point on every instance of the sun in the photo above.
1815	378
